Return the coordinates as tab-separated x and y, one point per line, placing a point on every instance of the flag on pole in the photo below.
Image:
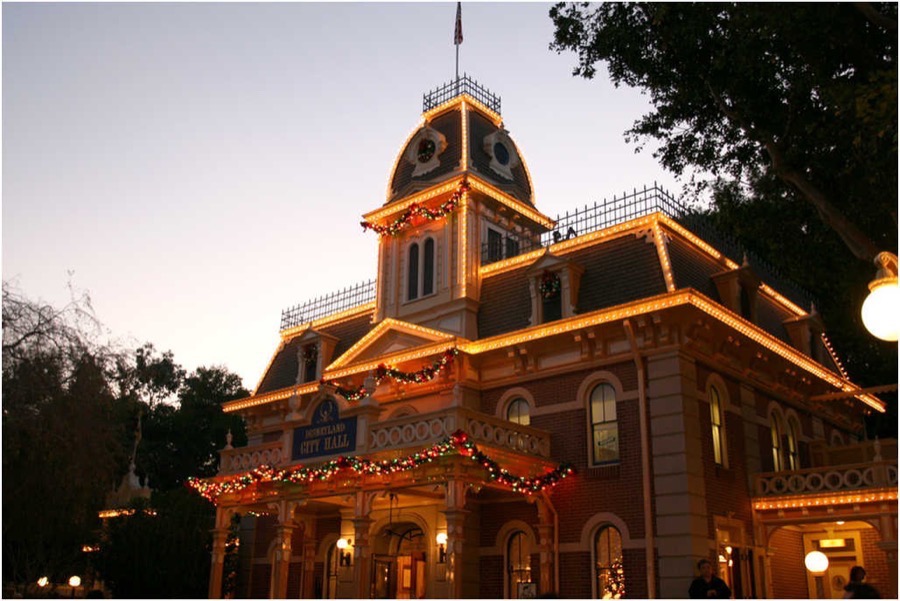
457	34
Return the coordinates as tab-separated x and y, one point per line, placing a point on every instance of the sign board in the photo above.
327	435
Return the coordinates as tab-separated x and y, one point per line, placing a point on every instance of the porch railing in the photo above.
246	458
411	431
419	430
830	479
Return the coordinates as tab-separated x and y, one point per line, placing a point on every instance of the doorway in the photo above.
399	565
843	549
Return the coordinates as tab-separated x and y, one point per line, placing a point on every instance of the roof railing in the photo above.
584	220
457	87
311	310
631	205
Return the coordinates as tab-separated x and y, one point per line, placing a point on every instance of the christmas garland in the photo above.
458	443
550	284
382	372
417	210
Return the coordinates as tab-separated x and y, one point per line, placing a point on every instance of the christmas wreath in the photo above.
426	150
550	284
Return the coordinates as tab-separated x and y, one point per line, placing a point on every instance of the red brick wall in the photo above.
574	575
878	570
265	534
727	488
616	488
495	516
491	572
259	582
788	573
293	584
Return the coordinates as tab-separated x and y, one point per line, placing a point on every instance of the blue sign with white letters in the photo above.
327	435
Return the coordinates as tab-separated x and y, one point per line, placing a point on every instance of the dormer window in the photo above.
420	269
551	297
553	284
737	290
310	362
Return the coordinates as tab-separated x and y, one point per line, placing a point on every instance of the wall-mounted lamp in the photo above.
879	310
343	546
441	539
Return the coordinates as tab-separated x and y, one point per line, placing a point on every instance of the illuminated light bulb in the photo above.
879	310
43	581
75	581
816	562
441	538
342	544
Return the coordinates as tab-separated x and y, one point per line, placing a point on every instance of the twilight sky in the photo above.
199	167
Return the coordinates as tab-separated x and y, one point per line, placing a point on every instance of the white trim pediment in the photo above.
546	262
389	337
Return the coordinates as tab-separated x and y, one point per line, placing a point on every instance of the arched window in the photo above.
420	274
518	562
609	573
518	412
604	426
428	268
793	452
412	282
777	454
717	420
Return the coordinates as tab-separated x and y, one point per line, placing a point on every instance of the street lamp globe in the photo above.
816	562
75	581
880	312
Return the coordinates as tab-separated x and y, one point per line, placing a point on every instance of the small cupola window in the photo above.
738	289
554	284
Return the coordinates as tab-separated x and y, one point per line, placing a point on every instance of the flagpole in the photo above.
457	39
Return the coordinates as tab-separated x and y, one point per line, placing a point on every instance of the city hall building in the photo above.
520	406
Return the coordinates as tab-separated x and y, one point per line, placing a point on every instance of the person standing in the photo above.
856	588
708	585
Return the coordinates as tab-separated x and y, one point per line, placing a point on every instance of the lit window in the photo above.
420	274
428	268
793	452
412	282
718	425
777	456
518	412
609	572
518	562
604	426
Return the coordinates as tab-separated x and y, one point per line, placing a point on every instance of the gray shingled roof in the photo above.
284	367
403	183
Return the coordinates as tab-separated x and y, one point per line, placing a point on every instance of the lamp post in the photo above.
880	312
74	582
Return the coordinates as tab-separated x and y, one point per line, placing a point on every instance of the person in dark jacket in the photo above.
708	585
856	588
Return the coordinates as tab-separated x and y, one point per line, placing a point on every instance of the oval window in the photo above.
426	150
501	153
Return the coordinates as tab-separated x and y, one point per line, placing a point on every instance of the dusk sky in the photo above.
197	168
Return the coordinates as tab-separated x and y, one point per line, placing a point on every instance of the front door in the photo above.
399	566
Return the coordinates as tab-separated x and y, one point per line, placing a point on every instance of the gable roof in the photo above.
390	336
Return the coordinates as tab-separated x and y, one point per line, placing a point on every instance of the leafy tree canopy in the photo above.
71	411
802	93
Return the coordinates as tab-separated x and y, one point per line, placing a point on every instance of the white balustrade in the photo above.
828	479
421	430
